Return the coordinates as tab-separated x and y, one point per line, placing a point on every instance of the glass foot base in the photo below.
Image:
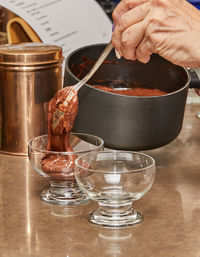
68	198
115	221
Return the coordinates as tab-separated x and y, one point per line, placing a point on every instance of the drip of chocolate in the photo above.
61	115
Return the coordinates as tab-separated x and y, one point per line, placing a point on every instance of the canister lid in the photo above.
30	54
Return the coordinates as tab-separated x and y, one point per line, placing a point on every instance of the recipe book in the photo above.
70	24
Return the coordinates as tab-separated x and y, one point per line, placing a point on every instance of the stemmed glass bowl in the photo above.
58	167
115	180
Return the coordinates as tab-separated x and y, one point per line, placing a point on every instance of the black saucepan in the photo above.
129	122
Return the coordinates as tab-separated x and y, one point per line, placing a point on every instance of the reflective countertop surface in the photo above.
171	209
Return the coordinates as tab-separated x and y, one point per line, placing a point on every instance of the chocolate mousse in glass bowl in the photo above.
53	155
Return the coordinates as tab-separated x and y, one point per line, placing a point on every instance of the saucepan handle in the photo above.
195	81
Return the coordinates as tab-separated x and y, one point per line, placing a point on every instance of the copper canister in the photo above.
30	75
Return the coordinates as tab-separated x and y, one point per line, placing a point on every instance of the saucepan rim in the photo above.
67	69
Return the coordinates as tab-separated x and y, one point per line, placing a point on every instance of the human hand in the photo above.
170	28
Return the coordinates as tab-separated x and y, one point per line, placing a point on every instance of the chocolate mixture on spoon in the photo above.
61	115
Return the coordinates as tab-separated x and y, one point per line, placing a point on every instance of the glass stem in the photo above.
65	189
114	210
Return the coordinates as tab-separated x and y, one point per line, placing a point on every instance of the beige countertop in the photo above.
171	209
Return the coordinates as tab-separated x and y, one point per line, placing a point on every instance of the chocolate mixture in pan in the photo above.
136	91
131	90
61	116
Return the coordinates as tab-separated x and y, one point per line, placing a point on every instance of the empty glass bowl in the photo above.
115	180
59	167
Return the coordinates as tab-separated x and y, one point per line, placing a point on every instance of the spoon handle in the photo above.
97	64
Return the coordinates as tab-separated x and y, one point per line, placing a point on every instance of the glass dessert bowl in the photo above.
115	180
58	167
